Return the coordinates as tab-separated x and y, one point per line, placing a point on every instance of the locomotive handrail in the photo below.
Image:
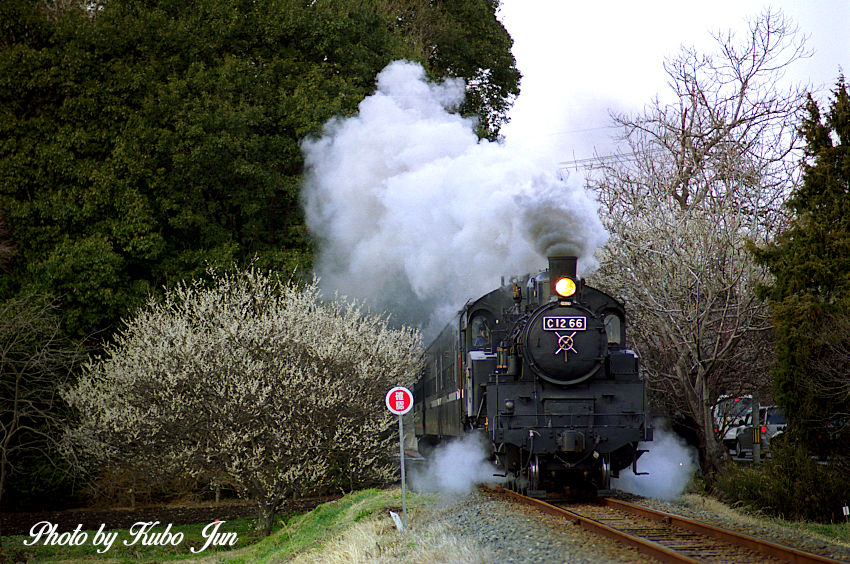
625	425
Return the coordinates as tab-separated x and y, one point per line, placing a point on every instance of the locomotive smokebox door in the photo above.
564	344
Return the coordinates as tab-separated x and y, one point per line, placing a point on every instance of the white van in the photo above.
729	415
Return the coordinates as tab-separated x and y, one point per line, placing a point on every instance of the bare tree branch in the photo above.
706	172
34	362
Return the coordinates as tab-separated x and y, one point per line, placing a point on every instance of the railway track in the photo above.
666	537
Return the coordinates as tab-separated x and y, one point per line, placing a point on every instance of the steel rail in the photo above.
764	546
661	552
644	546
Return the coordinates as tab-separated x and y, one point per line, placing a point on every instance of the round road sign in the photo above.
399	400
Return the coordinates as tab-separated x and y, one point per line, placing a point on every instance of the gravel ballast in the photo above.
507	531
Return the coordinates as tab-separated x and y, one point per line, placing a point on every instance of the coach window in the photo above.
614	329
434	382
480	335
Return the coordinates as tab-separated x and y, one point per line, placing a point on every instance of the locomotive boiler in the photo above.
542	369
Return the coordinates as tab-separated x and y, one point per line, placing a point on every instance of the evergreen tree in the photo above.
810	298
144	139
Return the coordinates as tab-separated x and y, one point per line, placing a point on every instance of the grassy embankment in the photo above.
831	532
355	528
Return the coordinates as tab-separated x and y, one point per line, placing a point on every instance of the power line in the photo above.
587	162
584	130
605	159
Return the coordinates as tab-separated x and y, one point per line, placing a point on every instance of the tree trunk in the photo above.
699	396
2	485
714	455
4	463
265	518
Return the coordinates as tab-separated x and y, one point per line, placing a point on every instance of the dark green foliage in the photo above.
810	298
790	485
471	45
144	142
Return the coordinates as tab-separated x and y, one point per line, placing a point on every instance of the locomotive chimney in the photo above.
560	267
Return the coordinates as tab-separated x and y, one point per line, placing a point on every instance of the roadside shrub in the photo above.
791	485
251	382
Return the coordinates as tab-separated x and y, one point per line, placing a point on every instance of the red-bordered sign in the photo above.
399	400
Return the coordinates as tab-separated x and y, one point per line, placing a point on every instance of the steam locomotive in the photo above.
540	367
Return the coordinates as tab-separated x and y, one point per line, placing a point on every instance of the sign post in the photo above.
757	422
399	401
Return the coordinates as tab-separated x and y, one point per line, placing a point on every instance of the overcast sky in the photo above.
581	59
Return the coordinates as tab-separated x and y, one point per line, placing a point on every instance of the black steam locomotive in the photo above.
542	368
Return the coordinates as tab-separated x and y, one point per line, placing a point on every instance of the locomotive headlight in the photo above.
565	287
509	406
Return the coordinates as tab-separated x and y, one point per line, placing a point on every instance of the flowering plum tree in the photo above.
248	381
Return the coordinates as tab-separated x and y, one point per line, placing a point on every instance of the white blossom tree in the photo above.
250	382
703	174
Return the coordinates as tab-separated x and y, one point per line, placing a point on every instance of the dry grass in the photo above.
377	540
358	528
699	502
719	508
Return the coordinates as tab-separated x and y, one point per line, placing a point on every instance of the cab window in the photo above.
614	329
479	332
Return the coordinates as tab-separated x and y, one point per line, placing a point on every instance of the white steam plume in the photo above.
455	468
671	464
413	213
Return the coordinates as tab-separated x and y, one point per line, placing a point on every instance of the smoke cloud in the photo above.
412	213
455	468
671	464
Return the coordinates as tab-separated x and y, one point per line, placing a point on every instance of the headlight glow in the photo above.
565	287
